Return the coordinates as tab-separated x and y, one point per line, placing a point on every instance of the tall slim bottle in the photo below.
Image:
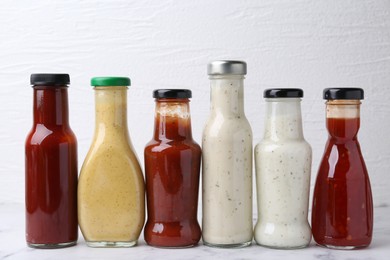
227	160
51	167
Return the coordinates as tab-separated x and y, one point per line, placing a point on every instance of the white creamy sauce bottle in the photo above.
283	164
227	160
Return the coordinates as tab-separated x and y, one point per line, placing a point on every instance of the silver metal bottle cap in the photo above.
226	67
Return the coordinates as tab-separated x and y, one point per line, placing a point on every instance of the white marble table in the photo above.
12	245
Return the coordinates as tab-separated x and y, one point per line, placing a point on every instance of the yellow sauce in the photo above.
111	186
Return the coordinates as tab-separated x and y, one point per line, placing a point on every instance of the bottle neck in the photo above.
111	110
343	119
51	105
283	119
172	120
227	95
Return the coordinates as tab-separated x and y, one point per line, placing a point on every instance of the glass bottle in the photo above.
172	165
51	167
111	193
227	160
342	215
283	164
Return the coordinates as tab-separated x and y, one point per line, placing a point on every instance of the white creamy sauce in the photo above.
283	164
227	167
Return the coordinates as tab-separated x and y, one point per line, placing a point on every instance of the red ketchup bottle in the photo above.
172	165
51	167
342	214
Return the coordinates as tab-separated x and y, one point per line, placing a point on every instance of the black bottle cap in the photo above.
283	93
343	93
50	79
172	93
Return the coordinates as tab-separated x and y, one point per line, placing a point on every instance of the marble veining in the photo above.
325	256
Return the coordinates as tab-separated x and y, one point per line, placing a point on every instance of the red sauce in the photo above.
172	165
51	171
342	214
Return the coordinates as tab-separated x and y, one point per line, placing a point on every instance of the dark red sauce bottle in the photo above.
172	165
51	167
342	214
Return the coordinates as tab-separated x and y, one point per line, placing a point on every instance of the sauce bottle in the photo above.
227	160
51	167
283	163
342	215
111	193
172	165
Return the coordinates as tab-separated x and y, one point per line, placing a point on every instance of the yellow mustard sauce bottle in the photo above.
111	190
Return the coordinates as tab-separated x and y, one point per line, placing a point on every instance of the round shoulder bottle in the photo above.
283	163
172	168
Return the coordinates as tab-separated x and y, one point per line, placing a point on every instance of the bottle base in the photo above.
52	246
342	247
173	247
284	247
102	244
238	245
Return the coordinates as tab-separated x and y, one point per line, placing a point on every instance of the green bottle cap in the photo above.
110	81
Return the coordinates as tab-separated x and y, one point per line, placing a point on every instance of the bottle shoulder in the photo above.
292	145
350	148
220	125
343	155
111	157
167	145
41	135
120	145
229	118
